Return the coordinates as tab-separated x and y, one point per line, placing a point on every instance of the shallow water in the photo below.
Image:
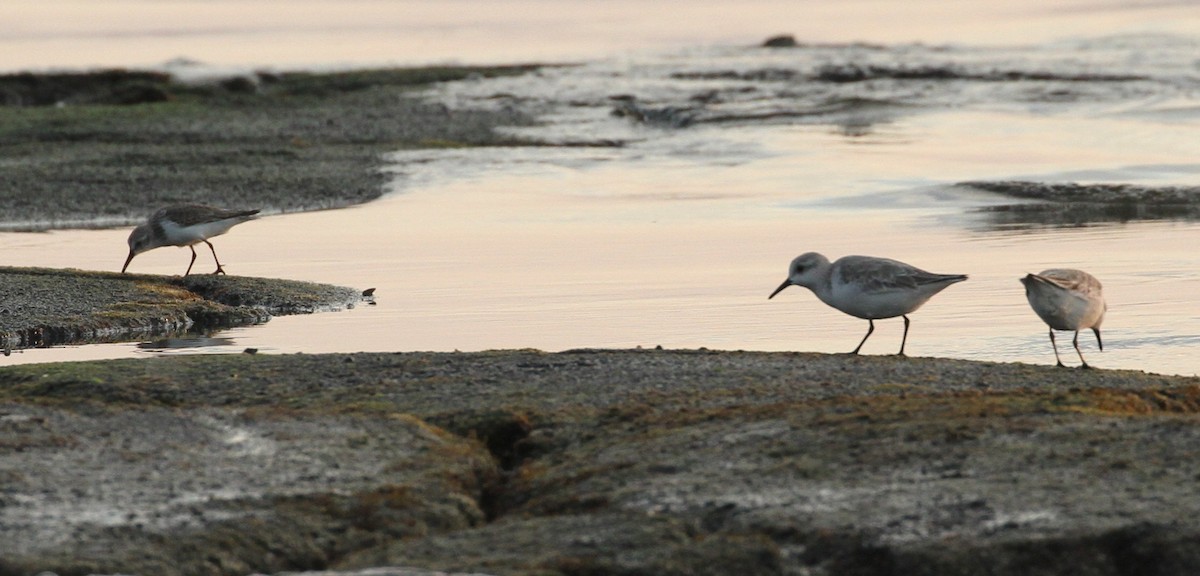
558	249
748	158
41	34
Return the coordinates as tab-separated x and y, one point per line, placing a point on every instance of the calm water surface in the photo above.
748	157
40	34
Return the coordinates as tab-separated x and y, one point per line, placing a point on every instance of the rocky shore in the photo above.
595	462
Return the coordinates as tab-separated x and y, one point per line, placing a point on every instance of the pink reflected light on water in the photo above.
306	33
536	258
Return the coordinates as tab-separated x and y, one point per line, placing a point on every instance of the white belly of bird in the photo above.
188	235
851	299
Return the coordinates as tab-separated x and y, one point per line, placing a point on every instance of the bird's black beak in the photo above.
785	284
1098	341
127	261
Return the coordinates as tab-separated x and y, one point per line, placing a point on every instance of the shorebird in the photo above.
184	225
1067	299
866	287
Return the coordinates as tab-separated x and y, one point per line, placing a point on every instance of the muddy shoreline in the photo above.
596	462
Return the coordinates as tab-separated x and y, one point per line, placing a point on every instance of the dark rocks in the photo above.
780	41
666	116
105	87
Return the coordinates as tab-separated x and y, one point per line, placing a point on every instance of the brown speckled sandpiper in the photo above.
1067	299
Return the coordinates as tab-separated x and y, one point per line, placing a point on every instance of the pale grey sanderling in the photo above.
184	225
1067	299
867	287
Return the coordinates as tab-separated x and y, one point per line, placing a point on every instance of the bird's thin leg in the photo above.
1055	346
870	329
905	338
1076	343
189	270
219	270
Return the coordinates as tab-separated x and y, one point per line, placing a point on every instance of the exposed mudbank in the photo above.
44	307
859	73
1071	204
595	462
853	72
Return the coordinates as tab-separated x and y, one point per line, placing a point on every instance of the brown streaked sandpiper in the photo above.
1067	299
184	225
867	287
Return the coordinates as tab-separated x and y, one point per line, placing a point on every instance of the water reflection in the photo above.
186	342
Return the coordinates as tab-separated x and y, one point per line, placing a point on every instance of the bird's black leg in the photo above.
189	270
219	270
904	340
870	329
1076	342
1055	346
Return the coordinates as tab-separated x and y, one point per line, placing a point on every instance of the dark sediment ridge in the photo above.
47	307
1072	204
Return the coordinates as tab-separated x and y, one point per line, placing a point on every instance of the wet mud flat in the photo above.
596	462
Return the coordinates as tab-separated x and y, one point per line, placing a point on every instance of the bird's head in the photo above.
803	271
140	240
